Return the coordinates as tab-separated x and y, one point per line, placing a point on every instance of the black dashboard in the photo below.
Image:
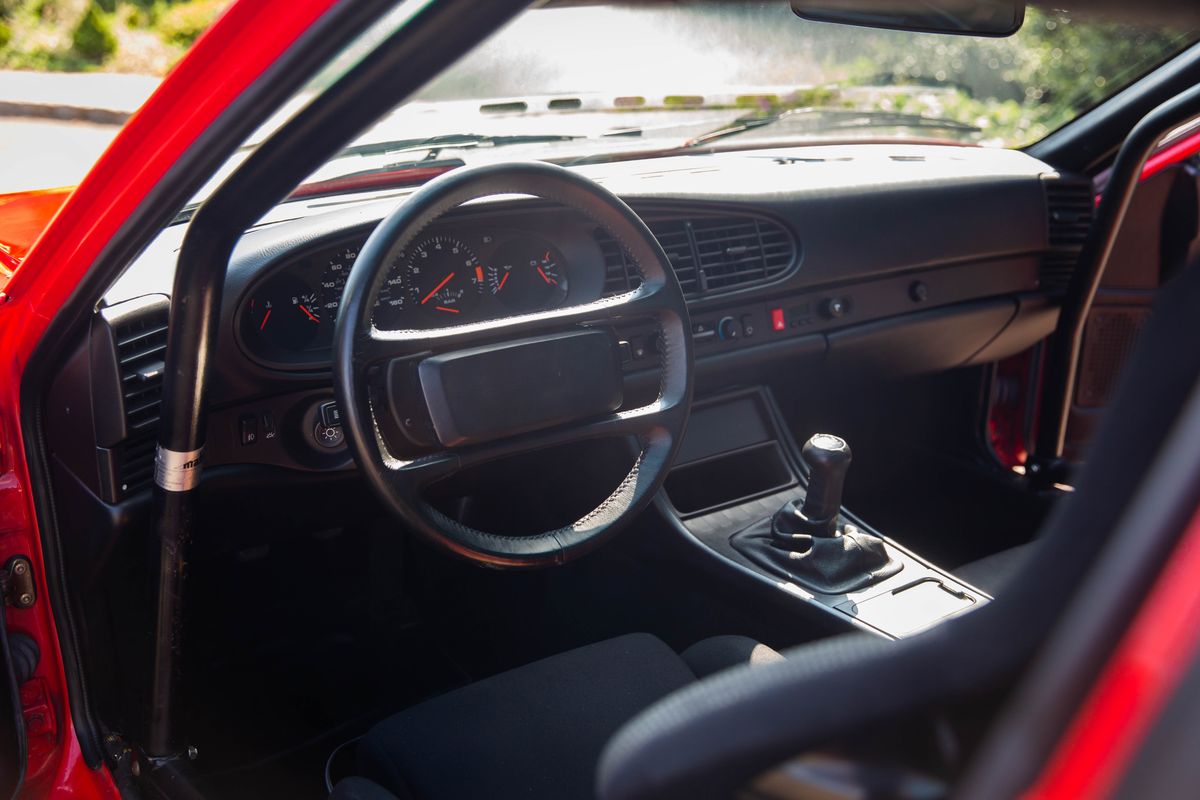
869	260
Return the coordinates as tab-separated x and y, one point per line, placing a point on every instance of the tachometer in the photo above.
445	280
527	275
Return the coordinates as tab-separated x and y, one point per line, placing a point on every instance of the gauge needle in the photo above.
437	288
310	314
546	277
503	281
447	310
266	317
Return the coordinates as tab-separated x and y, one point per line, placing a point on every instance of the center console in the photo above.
745	493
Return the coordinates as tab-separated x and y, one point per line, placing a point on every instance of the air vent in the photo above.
141	351
129	346
710	255
1069	210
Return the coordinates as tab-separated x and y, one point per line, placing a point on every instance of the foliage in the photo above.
1016	89
145	36
5	34
93	37
182	23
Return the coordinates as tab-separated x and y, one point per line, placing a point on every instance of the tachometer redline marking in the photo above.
437	288
479	274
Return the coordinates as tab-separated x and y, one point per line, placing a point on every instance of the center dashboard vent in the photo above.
709	254
128	357
1070	207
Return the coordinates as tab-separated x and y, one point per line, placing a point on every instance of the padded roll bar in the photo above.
1062	358
428	42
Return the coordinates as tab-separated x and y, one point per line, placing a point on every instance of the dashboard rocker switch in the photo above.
331	415
248	428
268	426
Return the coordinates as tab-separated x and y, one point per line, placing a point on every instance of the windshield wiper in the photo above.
824	120
451	141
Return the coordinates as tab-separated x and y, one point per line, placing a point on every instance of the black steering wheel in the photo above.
484	390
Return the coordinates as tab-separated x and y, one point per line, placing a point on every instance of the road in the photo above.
41	153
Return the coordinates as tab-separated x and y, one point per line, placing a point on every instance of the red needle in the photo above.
266	317
437	288
310	314
546	277
447	310
503	281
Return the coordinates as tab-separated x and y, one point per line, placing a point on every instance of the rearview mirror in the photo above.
963	17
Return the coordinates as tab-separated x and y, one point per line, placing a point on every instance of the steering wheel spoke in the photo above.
378	346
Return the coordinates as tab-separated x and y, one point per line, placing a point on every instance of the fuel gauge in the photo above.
283	315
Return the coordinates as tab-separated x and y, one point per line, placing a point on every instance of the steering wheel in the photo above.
485	390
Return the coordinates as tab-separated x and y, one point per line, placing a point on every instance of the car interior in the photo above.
738	470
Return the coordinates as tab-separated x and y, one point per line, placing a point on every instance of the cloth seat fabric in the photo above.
536	731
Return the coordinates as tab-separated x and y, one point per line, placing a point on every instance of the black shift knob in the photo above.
828	458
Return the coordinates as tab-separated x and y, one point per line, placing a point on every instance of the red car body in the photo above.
50	239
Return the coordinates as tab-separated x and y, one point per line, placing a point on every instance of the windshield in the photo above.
596	82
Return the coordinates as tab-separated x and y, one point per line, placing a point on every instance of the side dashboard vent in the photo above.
1070	207
709	254
127	392
141	354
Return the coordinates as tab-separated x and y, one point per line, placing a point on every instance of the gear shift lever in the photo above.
828	459
806	544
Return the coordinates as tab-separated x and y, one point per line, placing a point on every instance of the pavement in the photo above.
98	97
53	126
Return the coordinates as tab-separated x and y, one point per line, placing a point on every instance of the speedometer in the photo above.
333	280
393	296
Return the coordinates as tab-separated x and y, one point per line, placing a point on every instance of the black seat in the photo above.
992	572
536	731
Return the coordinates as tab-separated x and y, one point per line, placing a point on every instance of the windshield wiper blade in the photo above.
823	120
452	141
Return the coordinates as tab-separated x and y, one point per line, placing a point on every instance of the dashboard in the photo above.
863	262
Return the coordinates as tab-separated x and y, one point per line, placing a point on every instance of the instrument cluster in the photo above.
287	317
